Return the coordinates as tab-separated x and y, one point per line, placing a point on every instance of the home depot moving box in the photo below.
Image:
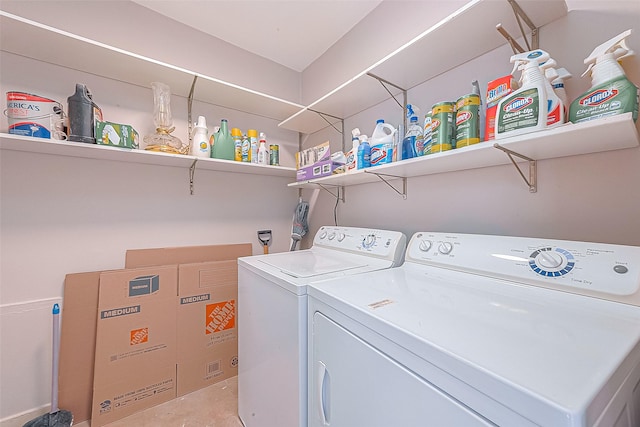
78	343
207	350
135	351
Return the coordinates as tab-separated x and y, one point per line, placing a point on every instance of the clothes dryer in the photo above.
272	316
480	331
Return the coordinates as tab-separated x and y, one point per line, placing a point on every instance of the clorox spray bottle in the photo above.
556	107
524	110
557	76
611	92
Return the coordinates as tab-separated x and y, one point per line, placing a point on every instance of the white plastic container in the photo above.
200	142
263	151
556	108
525	110
382	143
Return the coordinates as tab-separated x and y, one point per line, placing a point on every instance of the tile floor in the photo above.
214	406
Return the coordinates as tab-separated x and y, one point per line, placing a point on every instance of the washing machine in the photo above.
272	316
480	331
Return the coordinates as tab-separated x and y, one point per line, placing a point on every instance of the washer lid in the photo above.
553	357
305	264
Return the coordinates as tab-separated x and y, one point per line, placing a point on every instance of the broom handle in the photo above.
56	352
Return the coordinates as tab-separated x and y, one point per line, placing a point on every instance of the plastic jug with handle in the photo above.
382	143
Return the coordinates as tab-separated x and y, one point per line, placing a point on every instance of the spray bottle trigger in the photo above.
588	69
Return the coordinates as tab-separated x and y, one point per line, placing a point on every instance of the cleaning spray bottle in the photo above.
200	142
611	92
557	77
352	155
556	109
524	110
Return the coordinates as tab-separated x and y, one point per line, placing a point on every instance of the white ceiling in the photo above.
293	33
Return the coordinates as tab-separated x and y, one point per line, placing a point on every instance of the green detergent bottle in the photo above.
611	92
223	145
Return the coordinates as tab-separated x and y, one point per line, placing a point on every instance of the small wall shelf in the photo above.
104	152
612	133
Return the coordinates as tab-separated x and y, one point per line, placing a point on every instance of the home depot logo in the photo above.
220	316
139	336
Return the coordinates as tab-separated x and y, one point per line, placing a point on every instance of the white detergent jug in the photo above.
382	143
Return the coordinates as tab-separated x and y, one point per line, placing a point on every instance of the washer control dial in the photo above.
332	235
551	262
368	241
323	235
445	248
341	237
425	245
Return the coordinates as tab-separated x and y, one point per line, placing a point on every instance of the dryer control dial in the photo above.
368	241
445	248
551	262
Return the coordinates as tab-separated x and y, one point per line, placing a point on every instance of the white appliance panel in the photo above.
356	385
272	324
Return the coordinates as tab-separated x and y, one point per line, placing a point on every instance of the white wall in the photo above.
590	197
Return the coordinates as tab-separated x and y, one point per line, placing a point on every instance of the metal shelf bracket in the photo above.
535	33
340	131
337	196
192	171
189	105
384	84
532	182
381	178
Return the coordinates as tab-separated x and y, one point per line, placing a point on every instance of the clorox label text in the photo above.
598	97
517	104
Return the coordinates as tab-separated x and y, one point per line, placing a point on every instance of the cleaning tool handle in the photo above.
56	353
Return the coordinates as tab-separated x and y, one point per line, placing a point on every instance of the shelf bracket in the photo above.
340	131
337	196
535	33
189	105
324	117
192	171
532	182
384	84
381	178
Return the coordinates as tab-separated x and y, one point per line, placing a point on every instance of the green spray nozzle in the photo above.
615	48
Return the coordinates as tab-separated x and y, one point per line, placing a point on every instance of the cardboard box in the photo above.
78	343
135	351
208	335
185	254
207	350
315	162
80	319
117	135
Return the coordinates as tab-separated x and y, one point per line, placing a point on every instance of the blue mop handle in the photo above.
56	351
